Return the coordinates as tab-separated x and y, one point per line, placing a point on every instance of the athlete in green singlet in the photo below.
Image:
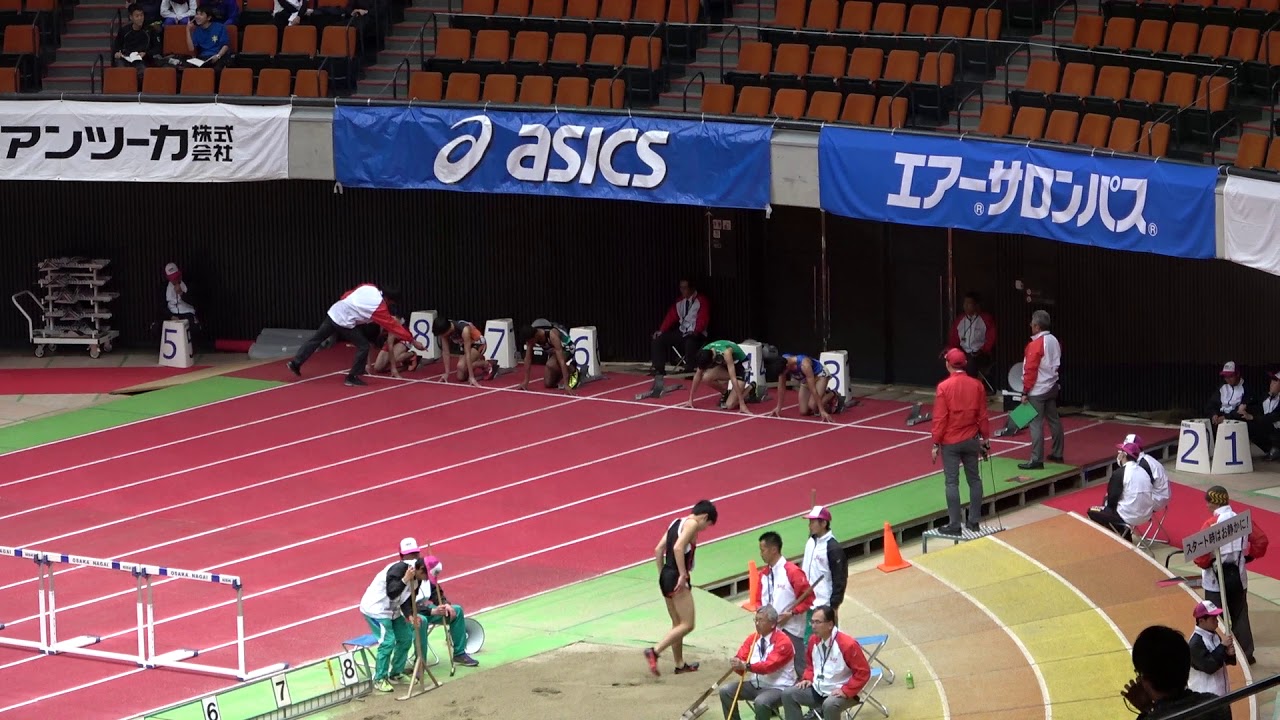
722	364
557	347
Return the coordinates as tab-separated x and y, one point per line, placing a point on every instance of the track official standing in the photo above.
1040	388
824	562
960	434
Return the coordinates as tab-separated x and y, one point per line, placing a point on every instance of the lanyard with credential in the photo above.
825	651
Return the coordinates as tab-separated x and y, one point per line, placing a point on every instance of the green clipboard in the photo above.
1023	415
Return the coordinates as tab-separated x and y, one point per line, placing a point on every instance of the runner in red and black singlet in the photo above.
674	556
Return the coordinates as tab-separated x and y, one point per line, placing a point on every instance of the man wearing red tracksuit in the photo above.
765	663
784	587
961	430
1040	388
360	306
837	671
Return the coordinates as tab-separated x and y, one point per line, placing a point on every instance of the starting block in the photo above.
659	389
420	322
585	355
499	337
916	416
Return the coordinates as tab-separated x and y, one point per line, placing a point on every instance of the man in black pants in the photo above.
685	326
360	306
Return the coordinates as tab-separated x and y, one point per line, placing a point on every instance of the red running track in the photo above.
304	490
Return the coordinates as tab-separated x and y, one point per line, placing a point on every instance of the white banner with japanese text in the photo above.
143	142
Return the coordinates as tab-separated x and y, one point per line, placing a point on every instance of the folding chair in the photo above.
1153	531
361	646
872	645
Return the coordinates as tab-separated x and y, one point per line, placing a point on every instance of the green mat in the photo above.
126	410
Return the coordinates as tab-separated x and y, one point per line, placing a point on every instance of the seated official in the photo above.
836	672
765	663
1161	491
684	327
434	606
1129	502
1226	403
1263	418
974	332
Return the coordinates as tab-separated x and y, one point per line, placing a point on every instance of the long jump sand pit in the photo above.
583	680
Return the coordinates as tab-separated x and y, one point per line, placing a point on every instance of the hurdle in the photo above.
146	656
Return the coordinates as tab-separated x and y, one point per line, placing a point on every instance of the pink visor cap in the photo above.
434	566
819	512
1206	609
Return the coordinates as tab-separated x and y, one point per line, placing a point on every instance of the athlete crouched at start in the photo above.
812	377
396	354
722	365
557	347
461	338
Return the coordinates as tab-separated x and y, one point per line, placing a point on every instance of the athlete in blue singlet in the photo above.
811	377
674	555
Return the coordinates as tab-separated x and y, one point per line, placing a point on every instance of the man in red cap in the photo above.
961	430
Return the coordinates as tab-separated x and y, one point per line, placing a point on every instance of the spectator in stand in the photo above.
974	332
178	12
207	39
134	39
1162	661
784	587
1128	503
961	432
685	327
824	564
291	12
766	663
226	12
1040	365
1211	653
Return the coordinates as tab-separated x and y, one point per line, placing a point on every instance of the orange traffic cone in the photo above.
892	556
753	588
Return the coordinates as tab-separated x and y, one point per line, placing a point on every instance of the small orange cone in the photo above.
892	556
753	588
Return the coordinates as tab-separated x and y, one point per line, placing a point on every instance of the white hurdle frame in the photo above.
146	656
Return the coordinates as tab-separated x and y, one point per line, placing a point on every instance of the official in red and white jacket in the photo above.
360	306
1040	365
824	562
782	584
684	326
837	671
765	664
974	333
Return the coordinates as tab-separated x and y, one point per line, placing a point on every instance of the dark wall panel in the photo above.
856	253
277	254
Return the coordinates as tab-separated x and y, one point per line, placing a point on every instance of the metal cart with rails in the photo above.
71	308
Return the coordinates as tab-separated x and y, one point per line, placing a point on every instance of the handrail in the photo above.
408	71
735	29
1195	711
95	70
684	101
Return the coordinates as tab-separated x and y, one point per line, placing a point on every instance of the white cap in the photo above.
409	546
1229	368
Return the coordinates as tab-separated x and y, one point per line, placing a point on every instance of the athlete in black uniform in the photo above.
674	555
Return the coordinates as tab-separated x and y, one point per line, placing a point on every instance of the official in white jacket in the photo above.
1210	653
360	306
824	563
387	606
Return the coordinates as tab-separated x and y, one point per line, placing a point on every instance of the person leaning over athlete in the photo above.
722	365
467	341
674	556
557	348
360	306
813	378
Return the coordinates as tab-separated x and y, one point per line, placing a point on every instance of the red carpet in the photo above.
82	381
1187	512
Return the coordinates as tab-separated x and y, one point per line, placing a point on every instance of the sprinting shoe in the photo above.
652	657
383	686
687	668
294	368
465	660
353	381
724	399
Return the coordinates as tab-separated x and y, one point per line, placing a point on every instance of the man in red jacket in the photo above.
785	588
764	663
837	671
685	326
961	430
360	306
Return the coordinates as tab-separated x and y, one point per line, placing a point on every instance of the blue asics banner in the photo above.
547	153
1117	203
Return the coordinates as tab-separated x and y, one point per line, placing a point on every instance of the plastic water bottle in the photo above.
911	681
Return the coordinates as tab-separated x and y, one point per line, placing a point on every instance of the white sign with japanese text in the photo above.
143	142
1211	538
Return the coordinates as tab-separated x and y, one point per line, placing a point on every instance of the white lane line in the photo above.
921	655
139	421
1026	654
